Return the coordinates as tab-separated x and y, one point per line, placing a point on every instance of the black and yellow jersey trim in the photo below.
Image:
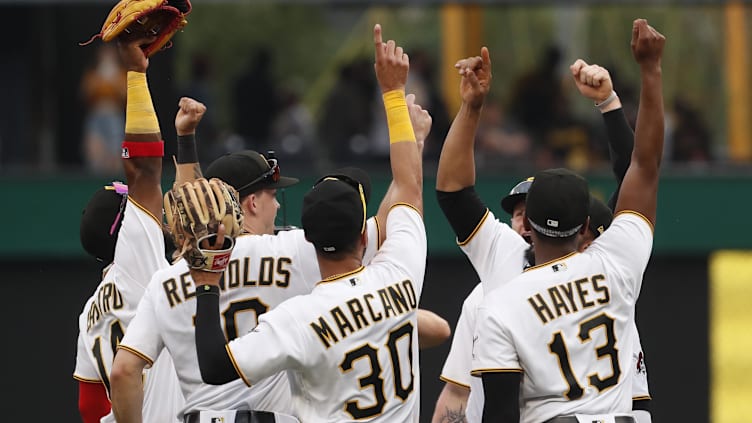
339	276
141	355
475	231
235	365
479	372
642	398
378	232
406	205
562	258
453	382
87	380
640	215
145	210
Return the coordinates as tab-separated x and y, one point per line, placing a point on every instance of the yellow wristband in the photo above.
398	117
140	117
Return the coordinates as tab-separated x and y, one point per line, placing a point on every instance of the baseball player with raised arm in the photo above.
263	271
469	217
349	347
122	225
553	344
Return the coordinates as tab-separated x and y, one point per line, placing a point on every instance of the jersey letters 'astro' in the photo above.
107	314
568	326
350	347
264	271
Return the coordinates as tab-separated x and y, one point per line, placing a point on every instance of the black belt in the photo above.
241	416
573	419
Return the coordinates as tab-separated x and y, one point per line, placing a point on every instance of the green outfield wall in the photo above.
695	214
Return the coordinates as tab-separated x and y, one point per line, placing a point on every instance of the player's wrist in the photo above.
609	103
187	149
140	117
398	117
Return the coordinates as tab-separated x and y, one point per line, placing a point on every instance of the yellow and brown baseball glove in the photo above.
132	19
194	211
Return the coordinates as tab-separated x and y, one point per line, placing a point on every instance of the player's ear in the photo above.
249	203
583	230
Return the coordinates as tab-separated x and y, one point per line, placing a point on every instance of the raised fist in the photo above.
647	44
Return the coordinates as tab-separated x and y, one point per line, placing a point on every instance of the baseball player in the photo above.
122	226
349	347
456	398
264	271
552	345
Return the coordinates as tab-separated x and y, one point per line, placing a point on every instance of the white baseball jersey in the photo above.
264	270
567	325
458	363
496	252
139	252
350	347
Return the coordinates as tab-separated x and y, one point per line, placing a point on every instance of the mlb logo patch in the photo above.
218	420
124	153
559	267
552	223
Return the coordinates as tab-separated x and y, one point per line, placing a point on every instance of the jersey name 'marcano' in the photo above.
570	297
359	312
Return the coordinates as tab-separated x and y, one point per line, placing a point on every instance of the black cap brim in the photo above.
283	182
509	202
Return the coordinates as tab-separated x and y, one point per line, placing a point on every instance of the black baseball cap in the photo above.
353	175
600	216
101	220
248	171
517	194
334	214
558	203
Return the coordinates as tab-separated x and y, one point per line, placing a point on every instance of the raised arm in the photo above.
455	179
639	189
594	82
187	119
392	66
421	121
457	161
143	147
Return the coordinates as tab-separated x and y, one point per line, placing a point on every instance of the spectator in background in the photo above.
500	139
347	114
255	101
201	87
103	89
422	83
538	94
689	136
293	134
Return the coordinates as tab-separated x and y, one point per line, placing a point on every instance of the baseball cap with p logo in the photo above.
558	203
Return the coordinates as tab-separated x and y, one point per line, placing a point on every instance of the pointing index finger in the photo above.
377	41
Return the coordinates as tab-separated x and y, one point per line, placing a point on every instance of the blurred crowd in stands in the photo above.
538	126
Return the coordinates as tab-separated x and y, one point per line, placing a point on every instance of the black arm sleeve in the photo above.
502	393
463	209
213	360
641	404
620	145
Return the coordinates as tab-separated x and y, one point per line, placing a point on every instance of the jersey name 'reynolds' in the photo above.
272	271
565	298
395	300
108	297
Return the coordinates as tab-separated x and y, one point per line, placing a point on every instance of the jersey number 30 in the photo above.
374	379
559	348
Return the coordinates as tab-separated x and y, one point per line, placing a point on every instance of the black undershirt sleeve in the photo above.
213	359
463	209
620	145
642	404
502	393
